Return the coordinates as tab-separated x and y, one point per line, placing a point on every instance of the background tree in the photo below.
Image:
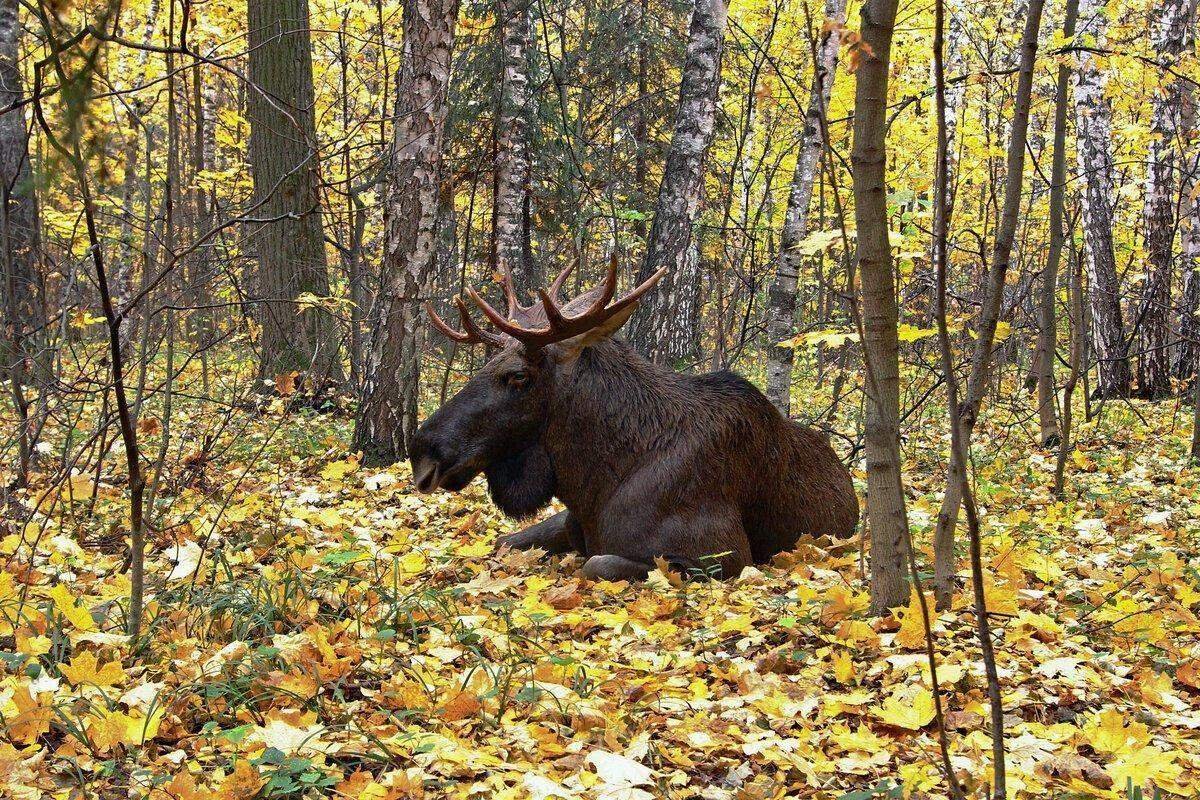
1047	342
666	327
1093	148
781	309
886	514
514	20
388	408
288	239
1173	34
21	289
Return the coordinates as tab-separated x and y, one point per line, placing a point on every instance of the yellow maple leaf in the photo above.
843	666
85	669
911	635
910	708
24	718
338	470
1108	733
111	728
64	601
243	782
1145	764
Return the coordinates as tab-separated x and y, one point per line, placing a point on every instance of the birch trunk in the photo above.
1171	38
288	239
21	289
388	410
781	309
513	125
666	329
1093	132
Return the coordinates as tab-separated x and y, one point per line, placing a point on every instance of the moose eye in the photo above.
517	379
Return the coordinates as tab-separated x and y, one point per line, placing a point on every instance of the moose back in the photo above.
700	470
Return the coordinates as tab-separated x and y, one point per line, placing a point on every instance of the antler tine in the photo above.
553	313
510	293
637	293
606	294
471	328
556	287
446	330
494	316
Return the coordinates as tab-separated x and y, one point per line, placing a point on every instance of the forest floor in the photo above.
317	629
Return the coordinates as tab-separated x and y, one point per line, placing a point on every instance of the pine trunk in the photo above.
666	328
1172	37
288	237
1093	132
781	309
513	125
388	411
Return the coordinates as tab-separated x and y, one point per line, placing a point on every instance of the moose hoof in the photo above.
614	568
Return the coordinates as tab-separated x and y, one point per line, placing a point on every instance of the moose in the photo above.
699	470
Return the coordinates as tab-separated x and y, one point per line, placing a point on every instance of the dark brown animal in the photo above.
700	470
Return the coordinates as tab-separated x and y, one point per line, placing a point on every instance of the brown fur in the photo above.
701	470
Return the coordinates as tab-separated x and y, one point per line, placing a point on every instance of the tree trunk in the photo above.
666	327
886	514
388	411
1172	37
1047	335
781	309
989	313
1188	353
288	237
513	127
21	289
1093	132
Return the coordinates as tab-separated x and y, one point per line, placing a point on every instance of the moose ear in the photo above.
569	349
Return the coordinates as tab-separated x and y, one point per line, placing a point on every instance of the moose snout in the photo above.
426	466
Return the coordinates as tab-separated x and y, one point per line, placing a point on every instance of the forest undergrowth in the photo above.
315	628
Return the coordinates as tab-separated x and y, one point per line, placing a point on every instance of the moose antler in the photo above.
562	321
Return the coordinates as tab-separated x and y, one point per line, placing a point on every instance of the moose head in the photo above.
495	423
700	470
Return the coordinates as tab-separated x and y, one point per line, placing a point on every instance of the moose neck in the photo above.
611	410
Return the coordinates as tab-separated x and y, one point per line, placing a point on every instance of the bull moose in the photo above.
700	470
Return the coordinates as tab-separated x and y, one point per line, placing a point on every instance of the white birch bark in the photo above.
781	308
388	411
1172	36
1093	131
513	124
666	328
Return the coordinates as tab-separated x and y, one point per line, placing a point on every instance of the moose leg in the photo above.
615	568
556	534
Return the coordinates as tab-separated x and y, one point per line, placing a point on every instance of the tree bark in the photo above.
666	329
24	310
288	237
886	514
1188	352
1172	37
989	312
513	127
781	308
1093	134
1047	333
387	416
